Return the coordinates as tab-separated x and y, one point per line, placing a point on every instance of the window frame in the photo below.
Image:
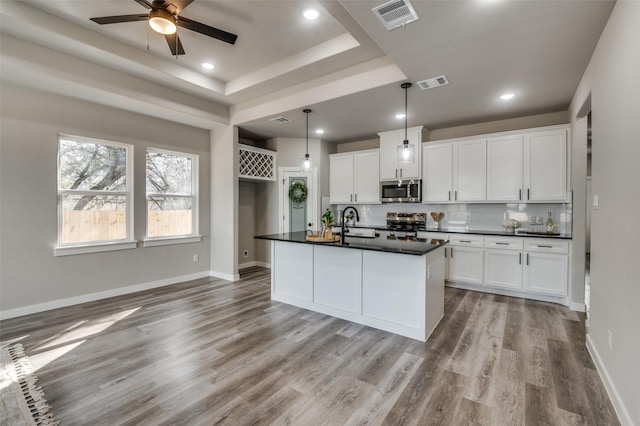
64	249
194	236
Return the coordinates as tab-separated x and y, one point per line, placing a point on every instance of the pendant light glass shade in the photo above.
305	162
406	151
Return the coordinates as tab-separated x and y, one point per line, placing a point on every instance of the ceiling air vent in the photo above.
430	83
395	13
280	120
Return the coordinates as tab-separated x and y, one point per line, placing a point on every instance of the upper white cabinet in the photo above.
437	172
454	171
470	170
545	165
354	178
504	168
391	168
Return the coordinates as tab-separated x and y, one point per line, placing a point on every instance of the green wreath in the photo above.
298	192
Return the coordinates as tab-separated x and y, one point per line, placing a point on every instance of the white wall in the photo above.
611	83
29	272
247	222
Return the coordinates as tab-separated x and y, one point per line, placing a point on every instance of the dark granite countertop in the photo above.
417	247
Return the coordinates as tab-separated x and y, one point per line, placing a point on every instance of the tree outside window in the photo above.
171	194
94	193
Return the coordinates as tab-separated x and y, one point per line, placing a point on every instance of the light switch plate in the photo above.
596	201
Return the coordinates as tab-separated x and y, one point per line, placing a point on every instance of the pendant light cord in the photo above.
307	111
405	86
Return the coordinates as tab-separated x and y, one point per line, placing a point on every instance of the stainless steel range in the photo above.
404	225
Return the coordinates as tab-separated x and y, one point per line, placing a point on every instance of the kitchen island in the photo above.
389	284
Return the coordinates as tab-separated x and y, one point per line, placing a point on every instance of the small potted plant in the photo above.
327	221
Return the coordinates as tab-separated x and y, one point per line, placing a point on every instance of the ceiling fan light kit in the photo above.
162	22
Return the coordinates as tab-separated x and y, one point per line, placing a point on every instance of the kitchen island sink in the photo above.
392	285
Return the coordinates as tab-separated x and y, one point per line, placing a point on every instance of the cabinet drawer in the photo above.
466	240
507	243
546	246
432	235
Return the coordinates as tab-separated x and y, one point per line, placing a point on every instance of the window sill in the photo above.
165	241
93	248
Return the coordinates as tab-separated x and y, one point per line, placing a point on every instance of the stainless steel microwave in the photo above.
409	191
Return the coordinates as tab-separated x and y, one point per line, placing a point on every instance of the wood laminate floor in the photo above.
215	352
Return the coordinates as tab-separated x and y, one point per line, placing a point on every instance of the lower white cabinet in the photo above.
465	260
546	267
503	268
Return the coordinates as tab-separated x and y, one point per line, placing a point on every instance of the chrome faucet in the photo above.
344	229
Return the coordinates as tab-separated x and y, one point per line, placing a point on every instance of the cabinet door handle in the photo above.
449	195
445	252
527	259
351	197
519	258
396	172
502	244
520	194
356	200
528	198
456	195
400	172
451	252
544	246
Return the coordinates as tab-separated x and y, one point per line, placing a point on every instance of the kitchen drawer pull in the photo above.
544	246
502	244
464	241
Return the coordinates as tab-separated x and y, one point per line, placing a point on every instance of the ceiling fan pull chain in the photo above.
148	37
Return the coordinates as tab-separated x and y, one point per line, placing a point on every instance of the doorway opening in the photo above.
297	216
587	270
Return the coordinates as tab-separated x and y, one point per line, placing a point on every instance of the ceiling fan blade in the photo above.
206	30
117	19
144	3
178	5
171	41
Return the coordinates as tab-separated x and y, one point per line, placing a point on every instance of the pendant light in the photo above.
305	163
405	151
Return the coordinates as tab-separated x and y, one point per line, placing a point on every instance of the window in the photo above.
172	203
94	195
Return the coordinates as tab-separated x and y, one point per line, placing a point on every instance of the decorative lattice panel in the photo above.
256	163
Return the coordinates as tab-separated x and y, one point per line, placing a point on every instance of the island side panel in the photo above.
292	271
435	289
394	290
337	278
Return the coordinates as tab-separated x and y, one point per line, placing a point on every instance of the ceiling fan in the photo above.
163	18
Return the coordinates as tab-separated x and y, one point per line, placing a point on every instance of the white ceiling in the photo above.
345	65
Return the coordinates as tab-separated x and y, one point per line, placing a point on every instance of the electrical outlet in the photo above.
245	253
195	257
610	340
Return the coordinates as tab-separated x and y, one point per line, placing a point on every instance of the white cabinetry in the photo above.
437	174
354	177
455	171
546	267
466	259
470	170
503	263
504	168
545	165
391	168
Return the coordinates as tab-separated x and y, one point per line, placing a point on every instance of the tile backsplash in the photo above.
478	217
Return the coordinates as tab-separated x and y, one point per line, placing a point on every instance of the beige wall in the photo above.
358	145
612	85
29	272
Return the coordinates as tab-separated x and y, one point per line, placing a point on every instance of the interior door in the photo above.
297	216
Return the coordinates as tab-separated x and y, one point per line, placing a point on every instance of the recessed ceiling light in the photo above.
310	14
507	96
401	115
319	131
207	65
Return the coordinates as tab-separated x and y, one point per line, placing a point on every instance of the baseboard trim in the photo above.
264	265
247	264
92	297
623	415
224	275
580	307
